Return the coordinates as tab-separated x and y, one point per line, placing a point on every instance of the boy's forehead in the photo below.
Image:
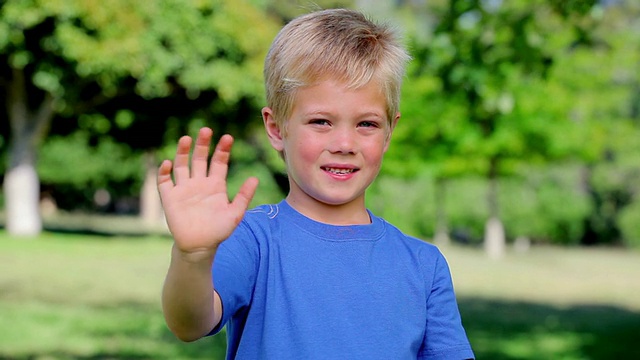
343	82
322	97
338	86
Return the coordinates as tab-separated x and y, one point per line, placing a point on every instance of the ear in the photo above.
273	131
387	141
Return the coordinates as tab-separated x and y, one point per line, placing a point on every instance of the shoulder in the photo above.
410	242
261	213
262	221
421	254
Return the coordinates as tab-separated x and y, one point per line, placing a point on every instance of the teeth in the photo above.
339	171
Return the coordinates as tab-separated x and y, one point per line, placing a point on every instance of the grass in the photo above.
74	296
550	303
66	296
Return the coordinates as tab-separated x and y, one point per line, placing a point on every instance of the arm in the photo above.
445	337
200	217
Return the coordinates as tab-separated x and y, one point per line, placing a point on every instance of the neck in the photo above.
353	213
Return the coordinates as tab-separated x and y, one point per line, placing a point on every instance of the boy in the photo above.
316	276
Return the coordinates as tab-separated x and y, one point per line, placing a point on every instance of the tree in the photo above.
600	70
286	10
478	65
60	59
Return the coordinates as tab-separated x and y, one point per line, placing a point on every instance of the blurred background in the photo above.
518	154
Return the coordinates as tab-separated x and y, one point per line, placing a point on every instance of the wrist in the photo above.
197	256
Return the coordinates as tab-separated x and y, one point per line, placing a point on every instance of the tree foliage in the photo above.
121	59
540	97
520	87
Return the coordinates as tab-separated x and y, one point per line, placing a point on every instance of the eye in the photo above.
319	122
368	124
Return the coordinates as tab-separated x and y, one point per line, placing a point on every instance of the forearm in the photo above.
188	297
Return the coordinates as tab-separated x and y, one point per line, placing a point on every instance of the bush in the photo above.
405	203
546	206
629	224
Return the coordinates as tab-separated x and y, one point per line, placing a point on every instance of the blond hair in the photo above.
335	44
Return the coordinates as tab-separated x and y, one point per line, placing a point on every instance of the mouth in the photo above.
339	171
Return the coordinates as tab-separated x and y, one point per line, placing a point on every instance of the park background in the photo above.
518	153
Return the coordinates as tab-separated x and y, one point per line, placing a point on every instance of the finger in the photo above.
220	159
201	153
181	161
245	195
165	183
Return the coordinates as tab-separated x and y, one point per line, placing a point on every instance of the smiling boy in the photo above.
333	148
316	276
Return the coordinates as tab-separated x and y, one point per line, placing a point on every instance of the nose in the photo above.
343	141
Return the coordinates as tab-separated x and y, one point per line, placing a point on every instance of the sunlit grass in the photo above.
74	296
550	303
551	275
78	296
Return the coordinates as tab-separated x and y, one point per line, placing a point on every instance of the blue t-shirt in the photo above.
295	288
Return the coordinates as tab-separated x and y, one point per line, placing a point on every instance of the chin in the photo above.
336	202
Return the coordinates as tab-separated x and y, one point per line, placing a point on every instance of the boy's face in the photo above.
334	144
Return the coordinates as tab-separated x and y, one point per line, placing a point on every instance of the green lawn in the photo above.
550	303
71	296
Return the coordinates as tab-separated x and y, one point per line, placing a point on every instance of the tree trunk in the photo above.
494	237
22	184
441	236
150	205
22	195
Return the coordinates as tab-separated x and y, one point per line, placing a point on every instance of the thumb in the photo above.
244	196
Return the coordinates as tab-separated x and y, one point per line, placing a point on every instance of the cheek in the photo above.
308	150
376	149
303	150
375	160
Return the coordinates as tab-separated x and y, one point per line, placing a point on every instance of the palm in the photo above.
197	207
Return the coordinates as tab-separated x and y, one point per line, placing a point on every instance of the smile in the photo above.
339	171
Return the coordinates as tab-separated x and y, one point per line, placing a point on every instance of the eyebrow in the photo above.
366	114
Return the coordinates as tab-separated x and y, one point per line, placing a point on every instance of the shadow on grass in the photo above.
500	330
65	356
497	329
104	233
208	348
117	331
148	326
105	230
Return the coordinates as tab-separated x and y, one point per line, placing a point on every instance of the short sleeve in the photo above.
234	272
445	337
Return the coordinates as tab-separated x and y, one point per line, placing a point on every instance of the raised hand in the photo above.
197	207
